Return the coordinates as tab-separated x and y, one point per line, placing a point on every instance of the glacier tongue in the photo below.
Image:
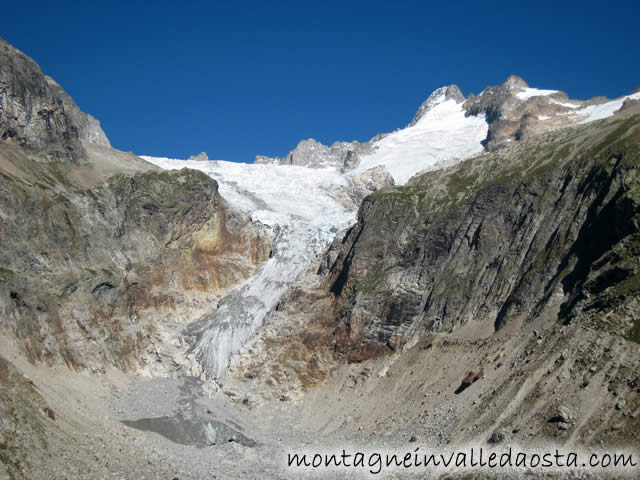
242	311
296	203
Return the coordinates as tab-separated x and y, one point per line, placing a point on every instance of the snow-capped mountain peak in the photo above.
438	96
439	133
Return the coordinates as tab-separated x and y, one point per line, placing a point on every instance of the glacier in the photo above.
296	202
300	205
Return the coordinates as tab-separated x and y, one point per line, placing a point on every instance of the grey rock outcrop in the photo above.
101	250
362	185
310	153
509	117
514	117
89	128
630	105
36	113
201	157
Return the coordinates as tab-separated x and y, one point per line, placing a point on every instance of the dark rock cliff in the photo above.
37	114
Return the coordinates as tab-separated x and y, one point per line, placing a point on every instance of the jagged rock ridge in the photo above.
310	153
513	112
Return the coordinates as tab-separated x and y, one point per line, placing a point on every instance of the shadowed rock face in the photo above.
89	128
37	114
545	230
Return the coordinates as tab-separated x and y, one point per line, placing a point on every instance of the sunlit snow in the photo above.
533	92
442	134
604	110
564	104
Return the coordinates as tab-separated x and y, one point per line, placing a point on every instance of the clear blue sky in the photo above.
236	79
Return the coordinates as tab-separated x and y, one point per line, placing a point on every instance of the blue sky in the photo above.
236	79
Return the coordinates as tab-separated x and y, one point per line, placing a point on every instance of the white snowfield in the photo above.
590	113
564	104
604	110
529	92
296	202
441	135
270	193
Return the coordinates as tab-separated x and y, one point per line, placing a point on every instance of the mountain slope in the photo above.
523	257
492	297
102	251
440	132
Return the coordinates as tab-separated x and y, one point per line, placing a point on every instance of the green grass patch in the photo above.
375	278
634	334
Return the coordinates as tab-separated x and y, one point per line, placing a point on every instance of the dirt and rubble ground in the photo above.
118	426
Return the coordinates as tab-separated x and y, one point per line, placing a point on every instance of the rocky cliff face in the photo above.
503	237
91	276
310	153
88	127
37	114
103	254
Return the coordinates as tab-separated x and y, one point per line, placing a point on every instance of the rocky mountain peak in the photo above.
515	111
514	82
311	153
37	114
89	128
201	157
438	96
